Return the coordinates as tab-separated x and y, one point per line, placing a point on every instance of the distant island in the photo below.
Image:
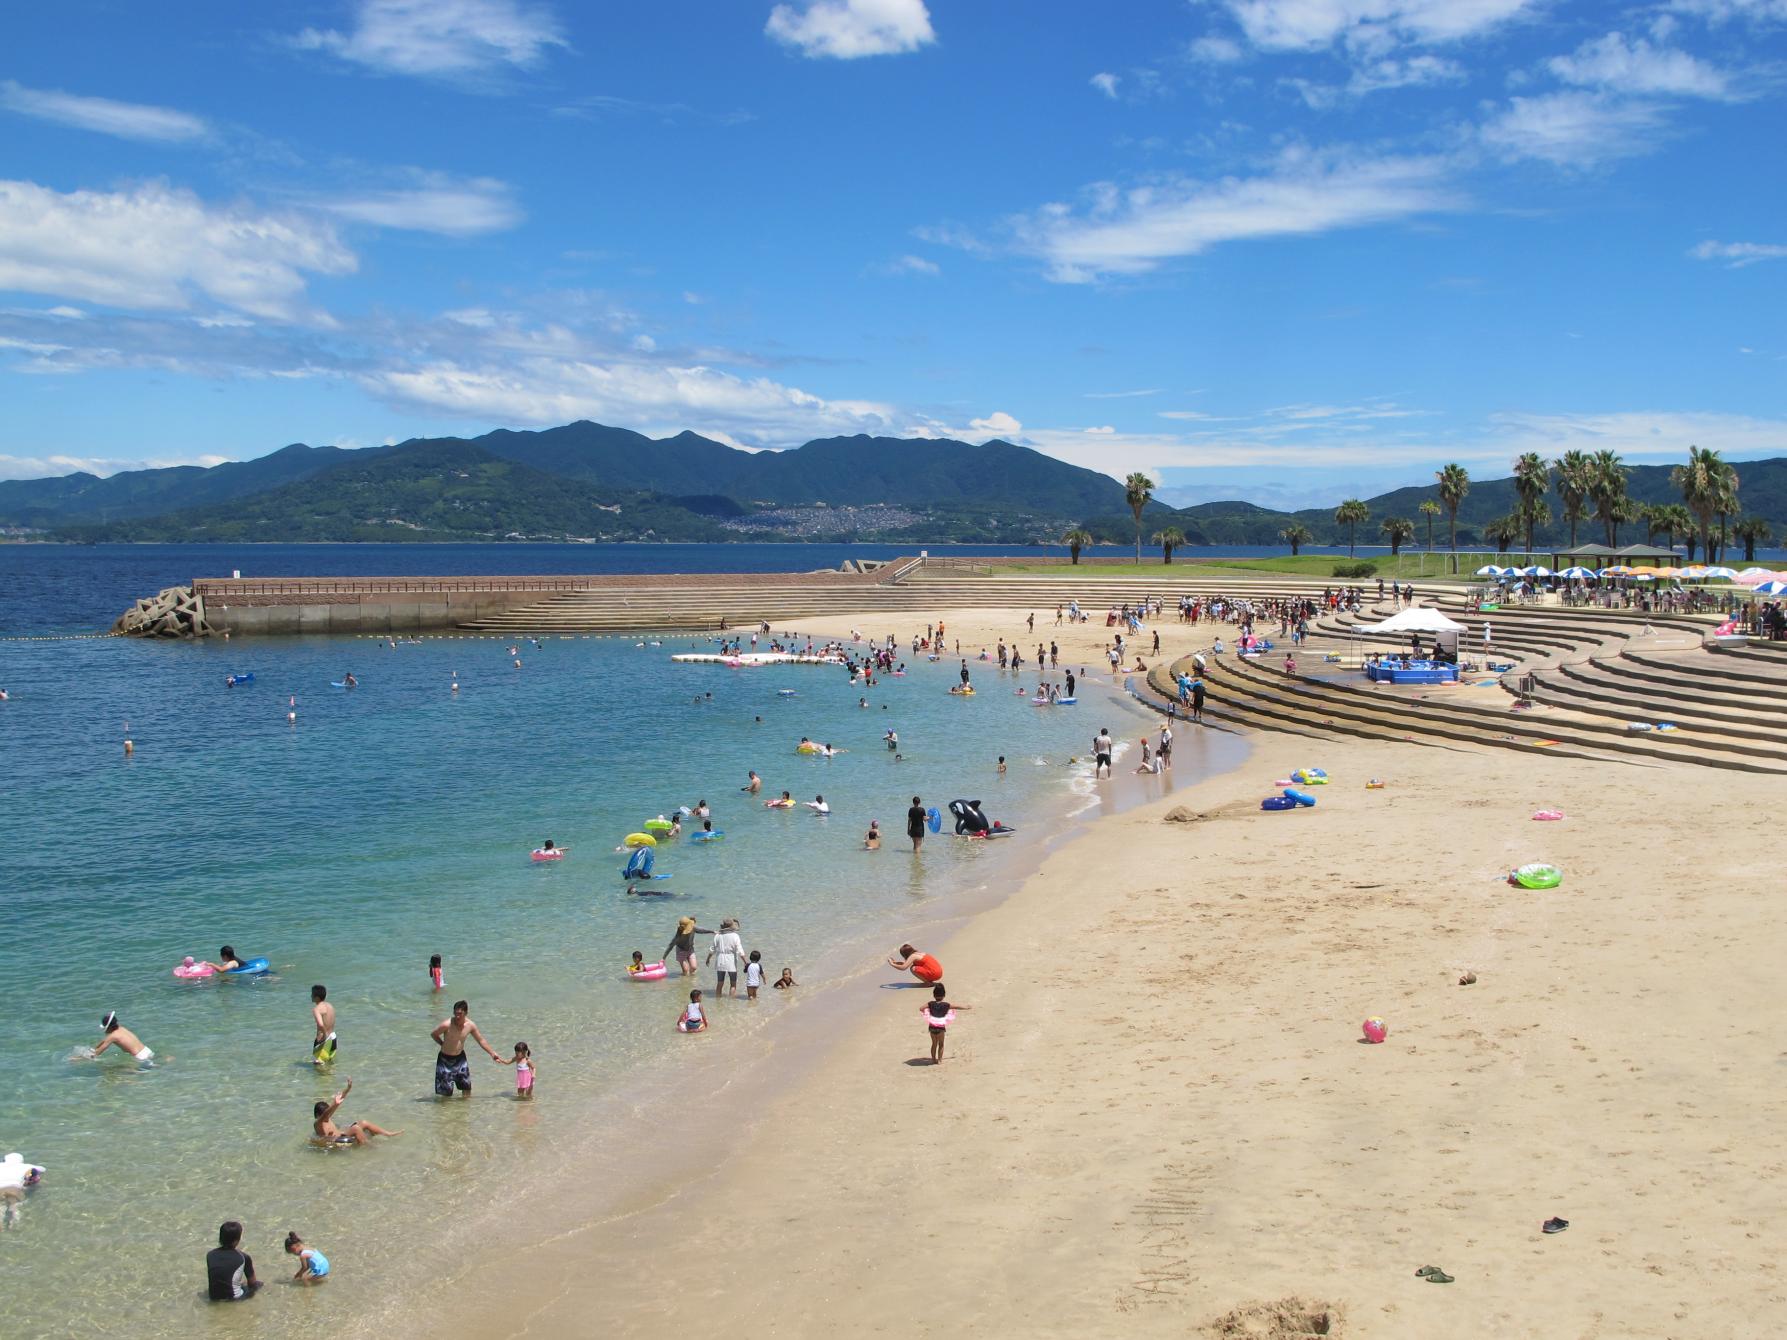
590	482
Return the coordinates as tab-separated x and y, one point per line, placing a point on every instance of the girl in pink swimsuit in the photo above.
524	1070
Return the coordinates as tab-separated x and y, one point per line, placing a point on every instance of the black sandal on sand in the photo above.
1439	1277
1555	1225
1425	1271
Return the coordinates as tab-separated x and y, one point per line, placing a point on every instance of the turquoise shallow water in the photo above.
388	823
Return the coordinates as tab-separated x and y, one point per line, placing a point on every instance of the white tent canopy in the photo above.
1420	619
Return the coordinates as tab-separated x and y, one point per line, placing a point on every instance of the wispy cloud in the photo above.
37	467
441	38
1636	66
1127	232
1121	395
435	203
849	29
1369	25
1576	128
1737	255
153	247
1106	83
909	265
127	120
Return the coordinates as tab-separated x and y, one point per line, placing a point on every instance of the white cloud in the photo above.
645	344
1215	50
127	120
1729	11
1612	62
997	424
1311	25
910	265
1573	129
1121	395
441	38
1106	83
847	29
435	204
1414	72
553	391
67	313
1133	231
1105	429
1737	255
158	248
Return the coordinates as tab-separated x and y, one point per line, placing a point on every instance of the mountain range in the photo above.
590	481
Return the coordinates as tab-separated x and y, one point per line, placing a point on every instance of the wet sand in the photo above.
1159	1116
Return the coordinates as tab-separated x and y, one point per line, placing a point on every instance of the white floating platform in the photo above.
751	659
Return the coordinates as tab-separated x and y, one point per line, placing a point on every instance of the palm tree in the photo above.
1532	477
1624	511
1455	482
1702	483
1607	489
1533	514
1653	521
1168	540
1398	530
1429	509
1351	513
1504	530
1671	519
1296	535
1575	482
1752	530
1137	490
1075	540
1727	505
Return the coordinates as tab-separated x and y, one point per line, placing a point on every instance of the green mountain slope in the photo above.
423	490
83	498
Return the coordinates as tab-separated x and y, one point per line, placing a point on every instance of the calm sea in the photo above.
392	822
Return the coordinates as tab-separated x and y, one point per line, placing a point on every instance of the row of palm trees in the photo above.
1588	484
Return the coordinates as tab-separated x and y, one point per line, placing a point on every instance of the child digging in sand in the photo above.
939	1014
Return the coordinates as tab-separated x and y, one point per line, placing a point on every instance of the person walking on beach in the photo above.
1102	747
1197	701
916	818
683	944
322	1014
728	949
1164	752
451	1069
938	1014
117	1035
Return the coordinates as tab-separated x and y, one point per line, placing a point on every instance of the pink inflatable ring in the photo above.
651	972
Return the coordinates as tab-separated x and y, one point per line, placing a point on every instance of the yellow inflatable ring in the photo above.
640	840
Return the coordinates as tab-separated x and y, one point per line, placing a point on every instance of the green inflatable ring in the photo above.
1537	876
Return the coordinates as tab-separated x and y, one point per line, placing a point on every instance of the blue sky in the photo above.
1272	249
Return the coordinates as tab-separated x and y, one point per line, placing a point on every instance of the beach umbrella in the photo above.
1537	570
1618	570
1576	572
1490	570
1644	577
1773	587
1721	572
1669	572
1693	572
1754	574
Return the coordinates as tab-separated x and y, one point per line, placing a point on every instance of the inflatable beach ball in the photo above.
1376	1030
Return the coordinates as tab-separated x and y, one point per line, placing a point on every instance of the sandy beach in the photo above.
1159	1116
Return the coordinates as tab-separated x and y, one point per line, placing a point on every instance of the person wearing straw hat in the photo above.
683	944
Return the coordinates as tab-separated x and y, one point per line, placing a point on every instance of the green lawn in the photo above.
1410	567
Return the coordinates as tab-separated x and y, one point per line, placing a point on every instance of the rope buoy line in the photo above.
56	637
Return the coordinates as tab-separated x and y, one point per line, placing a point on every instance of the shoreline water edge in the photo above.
1161	1116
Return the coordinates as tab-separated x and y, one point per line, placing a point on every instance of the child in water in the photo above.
753	975
691	1020
313	1266
939	1014
786	980
873	841
435	972
523	1061
638	963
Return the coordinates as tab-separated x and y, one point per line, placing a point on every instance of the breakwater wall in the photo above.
273	606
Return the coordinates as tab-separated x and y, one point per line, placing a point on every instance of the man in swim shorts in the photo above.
1102	747
322	1050
451	1069
117	1035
